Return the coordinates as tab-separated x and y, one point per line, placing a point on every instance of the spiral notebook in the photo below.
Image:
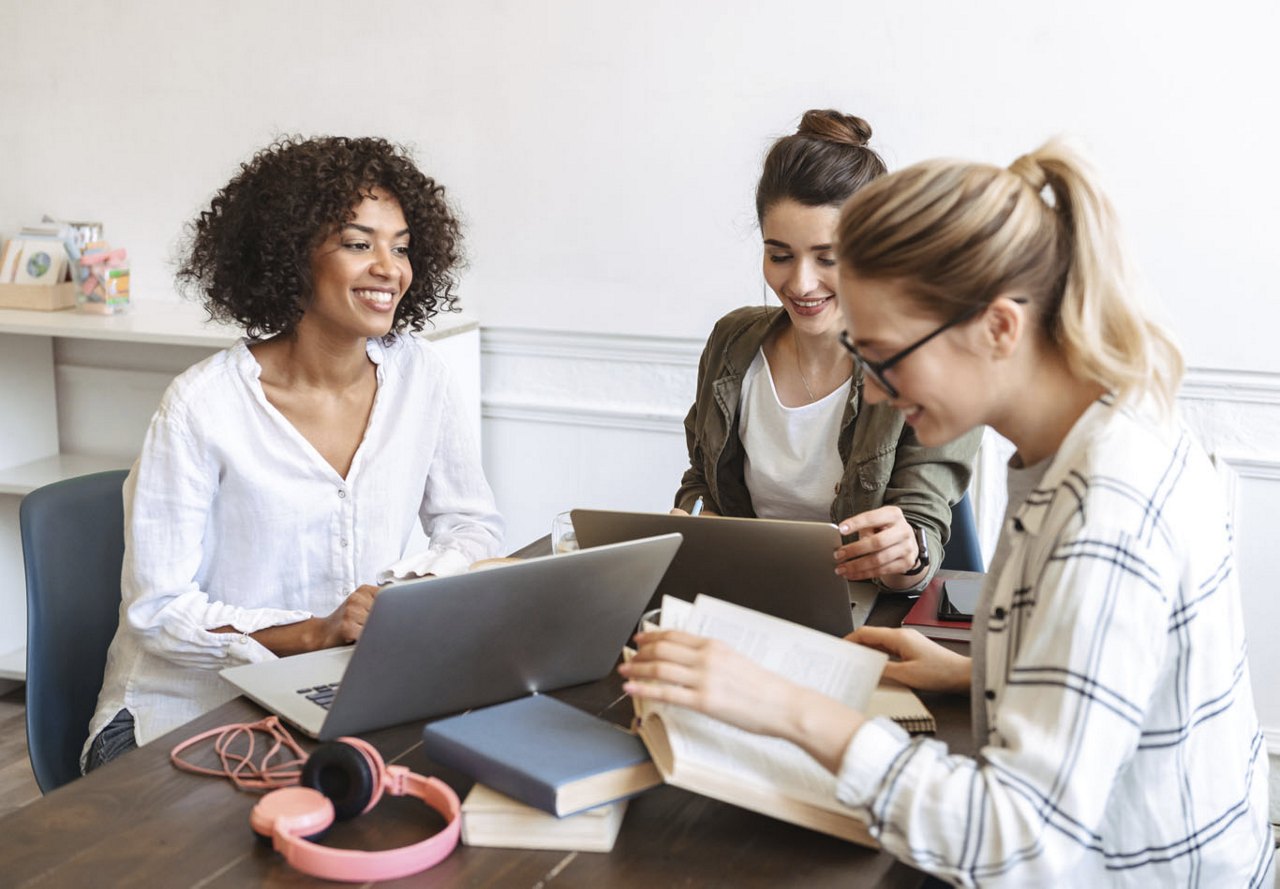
900	704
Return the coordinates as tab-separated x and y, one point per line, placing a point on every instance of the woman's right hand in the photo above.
919	662
346	623
341	627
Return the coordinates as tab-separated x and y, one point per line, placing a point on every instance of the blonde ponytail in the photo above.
960	234
1101	323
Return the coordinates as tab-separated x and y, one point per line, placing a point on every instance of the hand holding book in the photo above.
708	676
919	662
743	684
756	711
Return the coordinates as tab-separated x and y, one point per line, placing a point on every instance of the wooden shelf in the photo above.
13	665
165	323
26	477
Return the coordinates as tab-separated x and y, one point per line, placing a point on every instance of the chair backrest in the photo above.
73	548
962	551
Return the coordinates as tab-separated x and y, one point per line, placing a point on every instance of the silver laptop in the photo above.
441	645
780	567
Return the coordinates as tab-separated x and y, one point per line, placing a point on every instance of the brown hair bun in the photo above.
832	126
823	162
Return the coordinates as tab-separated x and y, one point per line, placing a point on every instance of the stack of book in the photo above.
550	775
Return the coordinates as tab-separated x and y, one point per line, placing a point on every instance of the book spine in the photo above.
501	776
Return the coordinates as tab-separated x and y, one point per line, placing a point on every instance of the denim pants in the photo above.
114	739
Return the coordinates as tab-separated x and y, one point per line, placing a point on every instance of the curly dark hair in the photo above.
248	256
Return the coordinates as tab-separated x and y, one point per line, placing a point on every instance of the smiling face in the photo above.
799	263
360	271
945	387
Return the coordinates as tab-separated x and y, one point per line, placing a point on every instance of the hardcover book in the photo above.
545	753
493	819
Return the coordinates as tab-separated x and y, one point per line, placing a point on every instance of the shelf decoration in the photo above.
103	276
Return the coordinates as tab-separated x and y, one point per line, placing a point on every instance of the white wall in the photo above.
604	153
603	156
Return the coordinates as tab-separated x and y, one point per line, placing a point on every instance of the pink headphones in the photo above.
342	779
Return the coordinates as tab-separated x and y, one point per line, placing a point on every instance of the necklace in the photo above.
796	343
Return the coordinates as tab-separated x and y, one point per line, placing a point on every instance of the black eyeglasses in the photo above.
876	369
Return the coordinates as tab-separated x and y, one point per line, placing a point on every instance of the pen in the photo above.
697	507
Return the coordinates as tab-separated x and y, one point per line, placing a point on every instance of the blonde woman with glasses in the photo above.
1113	714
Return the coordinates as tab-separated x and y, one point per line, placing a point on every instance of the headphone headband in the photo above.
293	816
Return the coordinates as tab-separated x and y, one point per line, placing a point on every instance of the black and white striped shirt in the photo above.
1123	748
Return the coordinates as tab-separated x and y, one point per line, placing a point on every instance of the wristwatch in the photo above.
922	557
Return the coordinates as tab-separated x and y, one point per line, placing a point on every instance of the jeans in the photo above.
114	739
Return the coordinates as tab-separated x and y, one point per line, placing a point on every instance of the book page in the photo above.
840	669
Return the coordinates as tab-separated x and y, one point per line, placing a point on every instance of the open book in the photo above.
766	775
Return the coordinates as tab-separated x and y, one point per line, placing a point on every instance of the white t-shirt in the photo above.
232	518
792	463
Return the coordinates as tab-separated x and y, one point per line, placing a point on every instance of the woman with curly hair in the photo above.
282	479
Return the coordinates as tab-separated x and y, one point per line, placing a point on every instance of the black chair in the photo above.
962	552
73	547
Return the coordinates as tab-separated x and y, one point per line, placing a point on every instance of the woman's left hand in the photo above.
885	548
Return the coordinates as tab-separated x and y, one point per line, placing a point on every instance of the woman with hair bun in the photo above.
780	427
1113	713
281	480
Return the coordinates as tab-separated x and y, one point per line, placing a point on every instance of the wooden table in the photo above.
140	822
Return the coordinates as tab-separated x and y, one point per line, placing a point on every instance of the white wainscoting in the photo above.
576	419
1253	495
1237	417
582	420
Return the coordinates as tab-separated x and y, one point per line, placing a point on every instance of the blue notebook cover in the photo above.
543	752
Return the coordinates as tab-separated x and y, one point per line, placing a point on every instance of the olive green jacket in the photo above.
884	463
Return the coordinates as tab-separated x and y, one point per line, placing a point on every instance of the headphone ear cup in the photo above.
344	774
296	812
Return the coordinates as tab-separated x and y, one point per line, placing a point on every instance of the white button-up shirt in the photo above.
232	518
1122	747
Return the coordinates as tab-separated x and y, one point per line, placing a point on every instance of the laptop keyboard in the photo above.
320	694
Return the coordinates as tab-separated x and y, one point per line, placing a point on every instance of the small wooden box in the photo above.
43	297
